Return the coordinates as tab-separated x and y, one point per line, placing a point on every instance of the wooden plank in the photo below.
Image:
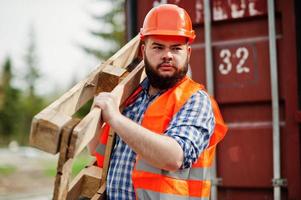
90	124
107	155
100	195
49	122
86	183
45	128
128	56
75	190
86	129
77	96
109	78
64	166
129	84
91	181
132	45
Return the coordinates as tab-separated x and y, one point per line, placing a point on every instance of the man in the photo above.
166	135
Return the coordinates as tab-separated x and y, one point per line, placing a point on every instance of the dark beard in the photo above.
164	82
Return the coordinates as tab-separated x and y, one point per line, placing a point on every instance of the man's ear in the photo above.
189	50
142	48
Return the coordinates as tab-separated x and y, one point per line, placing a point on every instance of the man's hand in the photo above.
108	105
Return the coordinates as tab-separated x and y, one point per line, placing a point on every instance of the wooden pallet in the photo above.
55	130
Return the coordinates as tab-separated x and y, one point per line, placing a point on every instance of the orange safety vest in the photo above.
153	183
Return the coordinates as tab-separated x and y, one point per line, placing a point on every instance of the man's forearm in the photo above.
158	150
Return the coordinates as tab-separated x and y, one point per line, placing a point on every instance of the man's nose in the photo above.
167	54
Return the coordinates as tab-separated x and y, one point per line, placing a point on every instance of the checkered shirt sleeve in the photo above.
192	127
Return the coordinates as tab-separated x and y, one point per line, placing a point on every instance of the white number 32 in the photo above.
241	53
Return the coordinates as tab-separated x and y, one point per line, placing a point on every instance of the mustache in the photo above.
164	63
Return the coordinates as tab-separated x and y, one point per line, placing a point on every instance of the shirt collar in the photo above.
145	86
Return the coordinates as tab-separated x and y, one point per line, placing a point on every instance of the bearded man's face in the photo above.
166	60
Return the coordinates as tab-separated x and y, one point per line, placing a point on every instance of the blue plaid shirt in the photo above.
191	127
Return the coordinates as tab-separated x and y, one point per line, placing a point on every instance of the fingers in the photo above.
107	103
103	100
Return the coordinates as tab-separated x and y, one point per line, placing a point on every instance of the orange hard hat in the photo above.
167	19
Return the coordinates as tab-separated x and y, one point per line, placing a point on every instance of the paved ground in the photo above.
28	180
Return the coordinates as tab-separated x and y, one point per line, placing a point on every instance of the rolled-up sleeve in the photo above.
193	126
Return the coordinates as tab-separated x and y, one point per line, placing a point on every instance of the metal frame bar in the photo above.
275	99
208	45
210	83
131	14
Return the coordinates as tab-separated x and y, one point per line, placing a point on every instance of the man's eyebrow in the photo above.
155	43
177	45
174	45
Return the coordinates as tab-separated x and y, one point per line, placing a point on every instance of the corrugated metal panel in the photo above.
222	10
242	88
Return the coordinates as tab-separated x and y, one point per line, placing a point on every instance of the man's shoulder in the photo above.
200	97
193	83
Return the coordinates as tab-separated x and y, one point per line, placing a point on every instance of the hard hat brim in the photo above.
190	35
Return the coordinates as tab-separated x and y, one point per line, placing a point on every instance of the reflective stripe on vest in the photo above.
195	173
165	185
101	148
148	195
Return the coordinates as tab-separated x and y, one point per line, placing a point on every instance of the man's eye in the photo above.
157	47
177	49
